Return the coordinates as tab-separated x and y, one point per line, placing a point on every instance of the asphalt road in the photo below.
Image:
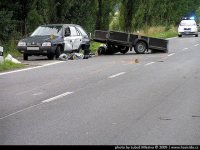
106	100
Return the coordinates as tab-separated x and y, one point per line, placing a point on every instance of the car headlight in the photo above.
21	44
46	44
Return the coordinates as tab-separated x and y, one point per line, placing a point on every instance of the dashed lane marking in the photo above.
57	97
171	54
150	63
116	75
185	49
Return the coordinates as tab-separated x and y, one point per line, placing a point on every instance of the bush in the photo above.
10	48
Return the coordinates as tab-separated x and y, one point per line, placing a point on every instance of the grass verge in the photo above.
8	65
159	32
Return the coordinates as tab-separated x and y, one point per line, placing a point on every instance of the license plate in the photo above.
33	48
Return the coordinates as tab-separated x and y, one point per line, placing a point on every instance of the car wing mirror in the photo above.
90	36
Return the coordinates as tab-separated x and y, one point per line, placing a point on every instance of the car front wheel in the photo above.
25	56
58	51
50	56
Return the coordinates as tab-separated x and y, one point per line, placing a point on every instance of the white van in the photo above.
188	27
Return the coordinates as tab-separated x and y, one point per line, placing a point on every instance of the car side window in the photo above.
67	32
82	31
78	32
73	31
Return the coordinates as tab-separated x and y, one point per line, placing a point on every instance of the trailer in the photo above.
115	42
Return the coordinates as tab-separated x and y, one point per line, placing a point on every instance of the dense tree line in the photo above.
19	17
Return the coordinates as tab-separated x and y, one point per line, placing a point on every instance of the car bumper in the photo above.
36	50
188	33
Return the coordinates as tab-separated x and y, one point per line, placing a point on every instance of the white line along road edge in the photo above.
4	73
43	102
172	38
116	75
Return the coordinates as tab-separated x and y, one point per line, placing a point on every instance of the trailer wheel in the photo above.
123	49
140	47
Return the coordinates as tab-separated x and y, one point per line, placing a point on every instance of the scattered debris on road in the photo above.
136	60
74	56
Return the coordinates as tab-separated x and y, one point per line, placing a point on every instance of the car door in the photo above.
68	39
76	38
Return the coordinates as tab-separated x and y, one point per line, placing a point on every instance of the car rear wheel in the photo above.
179	35
196	35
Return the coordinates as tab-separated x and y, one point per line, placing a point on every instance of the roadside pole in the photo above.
1	55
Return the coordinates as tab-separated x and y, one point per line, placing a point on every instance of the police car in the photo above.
188	26
54	39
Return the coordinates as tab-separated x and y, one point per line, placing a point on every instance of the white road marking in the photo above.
185	49
114	123
172	38
171	54
150	63
19	111
196	45
36	94
43	102
57	97
4	73
116	75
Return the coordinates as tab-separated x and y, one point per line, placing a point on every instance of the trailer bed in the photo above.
130	40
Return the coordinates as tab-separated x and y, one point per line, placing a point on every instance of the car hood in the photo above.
39	39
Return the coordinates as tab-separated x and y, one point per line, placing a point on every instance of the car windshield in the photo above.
48	30
188	23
